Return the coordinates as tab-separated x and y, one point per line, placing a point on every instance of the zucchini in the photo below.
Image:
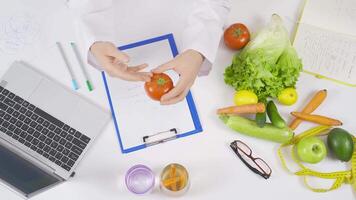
249	127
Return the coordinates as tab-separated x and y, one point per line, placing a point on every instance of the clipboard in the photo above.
125	104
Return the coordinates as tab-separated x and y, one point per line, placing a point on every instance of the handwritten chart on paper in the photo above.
18	32
24	28
331	54
326	39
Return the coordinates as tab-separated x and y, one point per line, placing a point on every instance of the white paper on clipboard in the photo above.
136	114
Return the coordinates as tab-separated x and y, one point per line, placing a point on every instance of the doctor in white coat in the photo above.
197	26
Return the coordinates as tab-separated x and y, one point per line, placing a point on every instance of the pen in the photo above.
76	52
69	67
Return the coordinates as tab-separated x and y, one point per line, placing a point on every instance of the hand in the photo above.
187	65
115	62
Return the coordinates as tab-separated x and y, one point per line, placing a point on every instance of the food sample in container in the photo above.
174	180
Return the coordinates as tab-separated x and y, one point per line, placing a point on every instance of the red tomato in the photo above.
159	85
236	36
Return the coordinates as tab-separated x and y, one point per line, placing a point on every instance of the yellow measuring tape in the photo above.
340	177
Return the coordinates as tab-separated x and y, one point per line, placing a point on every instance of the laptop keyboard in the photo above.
39	131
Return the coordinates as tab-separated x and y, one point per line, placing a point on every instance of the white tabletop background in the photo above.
216	173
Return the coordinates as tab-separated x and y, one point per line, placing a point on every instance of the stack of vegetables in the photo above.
267	65
276	131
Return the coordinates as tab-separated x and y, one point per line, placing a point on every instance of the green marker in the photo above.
81	64
90	87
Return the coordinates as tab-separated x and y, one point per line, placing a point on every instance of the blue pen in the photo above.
69	67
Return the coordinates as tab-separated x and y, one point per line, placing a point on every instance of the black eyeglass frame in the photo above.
235	148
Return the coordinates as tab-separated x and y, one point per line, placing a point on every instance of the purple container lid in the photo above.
140	179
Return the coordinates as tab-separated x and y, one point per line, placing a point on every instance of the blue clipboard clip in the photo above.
160	137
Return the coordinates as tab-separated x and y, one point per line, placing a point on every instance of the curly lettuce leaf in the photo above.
289	66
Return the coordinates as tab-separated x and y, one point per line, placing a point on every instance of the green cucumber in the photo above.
249	127
261	119
274	115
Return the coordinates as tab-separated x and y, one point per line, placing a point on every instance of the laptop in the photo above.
45	130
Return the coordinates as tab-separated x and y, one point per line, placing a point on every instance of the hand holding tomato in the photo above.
159	85
236	36
187	65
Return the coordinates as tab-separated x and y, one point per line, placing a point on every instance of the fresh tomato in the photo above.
236	36
159	85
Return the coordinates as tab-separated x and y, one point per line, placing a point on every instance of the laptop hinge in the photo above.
3	83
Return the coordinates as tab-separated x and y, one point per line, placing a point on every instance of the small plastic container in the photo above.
140	179
174	180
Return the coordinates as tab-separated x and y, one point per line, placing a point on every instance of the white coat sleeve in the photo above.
204	28
94	23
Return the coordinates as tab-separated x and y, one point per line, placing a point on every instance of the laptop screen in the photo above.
21	174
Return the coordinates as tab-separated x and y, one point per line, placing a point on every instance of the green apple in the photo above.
311	150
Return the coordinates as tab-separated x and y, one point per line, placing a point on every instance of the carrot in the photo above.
172	174
310	107
168	182
245	109
317	119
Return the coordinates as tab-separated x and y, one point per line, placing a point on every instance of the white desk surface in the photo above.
216	173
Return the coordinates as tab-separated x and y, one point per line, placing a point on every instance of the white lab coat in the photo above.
196	24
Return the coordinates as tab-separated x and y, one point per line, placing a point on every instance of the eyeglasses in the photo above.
257	165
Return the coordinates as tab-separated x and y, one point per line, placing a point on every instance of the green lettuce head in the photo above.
268	63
